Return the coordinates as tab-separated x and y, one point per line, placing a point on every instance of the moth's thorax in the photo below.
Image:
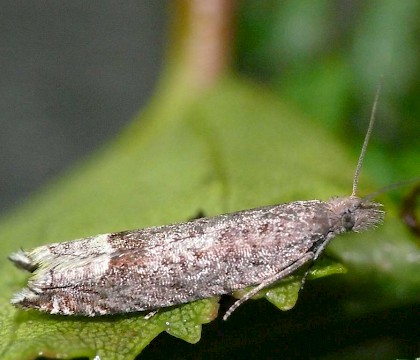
354	214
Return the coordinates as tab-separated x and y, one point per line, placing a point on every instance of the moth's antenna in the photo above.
366	141
391	187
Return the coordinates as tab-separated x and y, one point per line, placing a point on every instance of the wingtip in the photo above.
24	296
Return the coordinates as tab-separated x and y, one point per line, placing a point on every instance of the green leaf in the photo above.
232	148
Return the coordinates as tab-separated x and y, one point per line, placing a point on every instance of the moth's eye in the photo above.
348	221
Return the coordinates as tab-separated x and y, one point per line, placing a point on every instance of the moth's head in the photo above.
355	214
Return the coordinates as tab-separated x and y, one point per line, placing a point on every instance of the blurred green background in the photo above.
327	58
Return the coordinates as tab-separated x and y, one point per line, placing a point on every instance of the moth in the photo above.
152	268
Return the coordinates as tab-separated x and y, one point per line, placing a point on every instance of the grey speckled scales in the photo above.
169	265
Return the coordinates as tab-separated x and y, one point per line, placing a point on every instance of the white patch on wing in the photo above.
23	295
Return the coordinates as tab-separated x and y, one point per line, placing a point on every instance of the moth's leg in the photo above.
150	314
318	252
271	280
305	275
